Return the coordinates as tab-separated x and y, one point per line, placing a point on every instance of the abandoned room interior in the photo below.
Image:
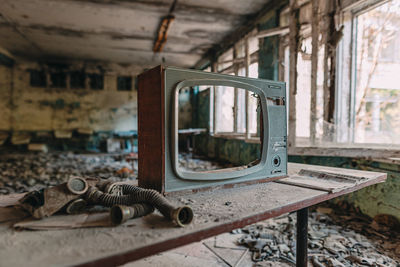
200	133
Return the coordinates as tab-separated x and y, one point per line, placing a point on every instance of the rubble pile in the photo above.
332	242
26	172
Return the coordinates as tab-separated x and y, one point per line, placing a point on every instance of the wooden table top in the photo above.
216	211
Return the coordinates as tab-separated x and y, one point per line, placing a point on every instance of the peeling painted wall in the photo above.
27	108
5	97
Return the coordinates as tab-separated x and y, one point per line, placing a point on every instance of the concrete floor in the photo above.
199	254
223	250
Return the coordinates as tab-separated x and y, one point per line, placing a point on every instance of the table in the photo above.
110	246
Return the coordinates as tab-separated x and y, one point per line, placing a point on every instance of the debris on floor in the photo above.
26	172
189	162
333	241
124	172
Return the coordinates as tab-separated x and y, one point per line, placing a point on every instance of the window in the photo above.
224	109
96	81
38	78
225	62
58	79
241	106
124	83
367	93
303	96
252	103
376	109
234	110
77	79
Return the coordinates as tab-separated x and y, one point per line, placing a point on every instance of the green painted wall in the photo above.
268	53
234	151
201	107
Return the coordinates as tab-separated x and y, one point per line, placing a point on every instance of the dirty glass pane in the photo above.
224	109
377	103
253	113
241	111
252	109
303	96
225	60
253	45
241	106
253	70
240	49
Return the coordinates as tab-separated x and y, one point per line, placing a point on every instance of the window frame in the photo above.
345	88
124	83
237	63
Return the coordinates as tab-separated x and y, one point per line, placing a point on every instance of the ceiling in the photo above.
119	31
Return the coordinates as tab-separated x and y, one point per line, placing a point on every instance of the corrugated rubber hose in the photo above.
136	195
120	213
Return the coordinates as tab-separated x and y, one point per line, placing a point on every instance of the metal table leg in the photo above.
302	235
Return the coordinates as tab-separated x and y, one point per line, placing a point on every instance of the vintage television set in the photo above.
158	108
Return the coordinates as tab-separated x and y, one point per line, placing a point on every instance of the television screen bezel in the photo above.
221	174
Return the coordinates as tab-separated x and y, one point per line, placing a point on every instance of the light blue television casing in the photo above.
273	162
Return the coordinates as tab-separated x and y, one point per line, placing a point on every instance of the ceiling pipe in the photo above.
163	29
